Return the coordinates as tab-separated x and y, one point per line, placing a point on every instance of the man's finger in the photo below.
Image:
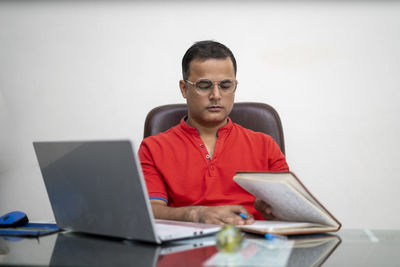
245	216
238	209
234	219
260	205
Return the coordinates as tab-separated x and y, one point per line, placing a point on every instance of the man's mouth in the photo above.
214	108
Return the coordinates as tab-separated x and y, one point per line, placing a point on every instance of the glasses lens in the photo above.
204	84
226	85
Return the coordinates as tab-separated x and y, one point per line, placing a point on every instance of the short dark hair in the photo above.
204	50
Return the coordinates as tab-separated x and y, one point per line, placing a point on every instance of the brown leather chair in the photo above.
258	117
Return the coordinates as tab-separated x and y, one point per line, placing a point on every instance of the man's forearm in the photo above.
189	213
203	214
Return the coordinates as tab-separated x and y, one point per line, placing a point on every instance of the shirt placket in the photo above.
209	160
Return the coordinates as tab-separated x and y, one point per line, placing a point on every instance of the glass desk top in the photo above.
348	247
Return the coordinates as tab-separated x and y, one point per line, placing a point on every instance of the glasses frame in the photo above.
208	91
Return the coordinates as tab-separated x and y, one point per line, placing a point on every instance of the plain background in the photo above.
73	70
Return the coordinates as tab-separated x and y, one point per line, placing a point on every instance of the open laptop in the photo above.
97	187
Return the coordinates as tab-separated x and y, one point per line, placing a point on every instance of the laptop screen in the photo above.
97	187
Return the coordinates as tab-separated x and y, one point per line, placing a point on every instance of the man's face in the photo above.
211	109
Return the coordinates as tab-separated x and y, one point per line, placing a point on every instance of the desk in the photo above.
346	248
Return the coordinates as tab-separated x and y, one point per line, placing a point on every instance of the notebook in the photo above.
97	187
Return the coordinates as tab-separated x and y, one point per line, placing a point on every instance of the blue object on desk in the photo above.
13	219
30	230
269	236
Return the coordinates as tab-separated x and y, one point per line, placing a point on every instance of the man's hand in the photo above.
228	214
264	208
220	215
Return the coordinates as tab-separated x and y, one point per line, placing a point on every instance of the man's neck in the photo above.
206	130
208	133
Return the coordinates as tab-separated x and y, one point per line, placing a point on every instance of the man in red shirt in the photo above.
189	168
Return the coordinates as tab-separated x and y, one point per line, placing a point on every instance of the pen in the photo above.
243	215
269	236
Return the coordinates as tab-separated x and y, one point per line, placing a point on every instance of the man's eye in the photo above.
226	84
204	85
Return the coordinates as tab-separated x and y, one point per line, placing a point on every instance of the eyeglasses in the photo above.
205	86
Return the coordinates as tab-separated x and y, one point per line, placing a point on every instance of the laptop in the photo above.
97	187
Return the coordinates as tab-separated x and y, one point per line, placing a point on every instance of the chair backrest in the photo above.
258	117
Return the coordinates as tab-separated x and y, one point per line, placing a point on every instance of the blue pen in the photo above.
243	215
269	236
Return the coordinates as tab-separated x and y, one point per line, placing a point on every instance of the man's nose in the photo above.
215	93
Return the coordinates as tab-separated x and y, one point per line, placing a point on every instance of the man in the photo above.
189	168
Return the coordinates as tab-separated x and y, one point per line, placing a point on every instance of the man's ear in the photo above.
182	86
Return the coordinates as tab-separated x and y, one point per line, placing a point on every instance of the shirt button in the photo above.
207	156
212	167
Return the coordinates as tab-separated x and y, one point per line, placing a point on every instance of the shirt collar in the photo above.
221	131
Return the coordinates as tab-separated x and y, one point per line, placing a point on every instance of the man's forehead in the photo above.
220	64
202	60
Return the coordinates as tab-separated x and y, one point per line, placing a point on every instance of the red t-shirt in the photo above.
178	169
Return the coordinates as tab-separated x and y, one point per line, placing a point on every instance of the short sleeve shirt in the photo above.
178	169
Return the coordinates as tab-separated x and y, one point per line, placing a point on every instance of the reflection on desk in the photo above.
79	249
310	250
75	249
71	249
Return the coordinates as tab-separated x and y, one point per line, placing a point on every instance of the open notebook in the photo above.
97	187
298	210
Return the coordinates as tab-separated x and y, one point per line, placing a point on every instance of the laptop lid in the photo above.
97	187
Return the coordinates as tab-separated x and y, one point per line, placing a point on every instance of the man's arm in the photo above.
228	214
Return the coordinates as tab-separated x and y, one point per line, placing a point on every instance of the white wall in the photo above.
93	69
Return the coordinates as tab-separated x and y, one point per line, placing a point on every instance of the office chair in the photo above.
258	117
